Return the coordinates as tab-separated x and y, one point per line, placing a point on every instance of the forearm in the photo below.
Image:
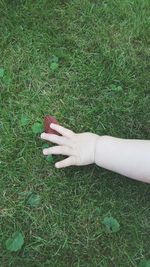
127	157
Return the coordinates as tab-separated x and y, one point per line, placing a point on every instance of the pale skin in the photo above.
128	157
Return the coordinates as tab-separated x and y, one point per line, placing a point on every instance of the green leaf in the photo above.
24	120
116	88
1	72
144	263
16	242
54	66
54	59
49	158
45	145
112	225
34	200
37	128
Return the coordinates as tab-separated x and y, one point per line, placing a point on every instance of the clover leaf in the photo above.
54	59
45	145
37	127
15	242
111	224
34	200
49	158
54	66
24	120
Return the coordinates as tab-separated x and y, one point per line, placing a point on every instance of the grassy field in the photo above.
86	63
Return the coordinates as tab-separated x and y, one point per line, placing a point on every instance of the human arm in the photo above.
127	157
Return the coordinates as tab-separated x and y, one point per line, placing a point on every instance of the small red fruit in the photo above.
47	121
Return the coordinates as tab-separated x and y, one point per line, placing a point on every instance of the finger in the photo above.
56	150
62	130
60	140
66	162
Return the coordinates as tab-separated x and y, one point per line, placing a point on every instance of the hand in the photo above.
80	148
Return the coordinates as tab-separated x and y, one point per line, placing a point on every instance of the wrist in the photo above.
99	148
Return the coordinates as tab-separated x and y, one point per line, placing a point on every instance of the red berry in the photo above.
47	121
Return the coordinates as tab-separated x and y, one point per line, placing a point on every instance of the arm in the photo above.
127	157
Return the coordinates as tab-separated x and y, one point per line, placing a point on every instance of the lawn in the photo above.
86	63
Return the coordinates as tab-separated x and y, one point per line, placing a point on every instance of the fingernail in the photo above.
57	165
42	135
45	151
51	125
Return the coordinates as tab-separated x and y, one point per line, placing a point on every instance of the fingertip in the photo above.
52	125
45	151
57	165
42	135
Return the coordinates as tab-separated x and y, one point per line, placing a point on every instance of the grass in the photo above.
101	85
